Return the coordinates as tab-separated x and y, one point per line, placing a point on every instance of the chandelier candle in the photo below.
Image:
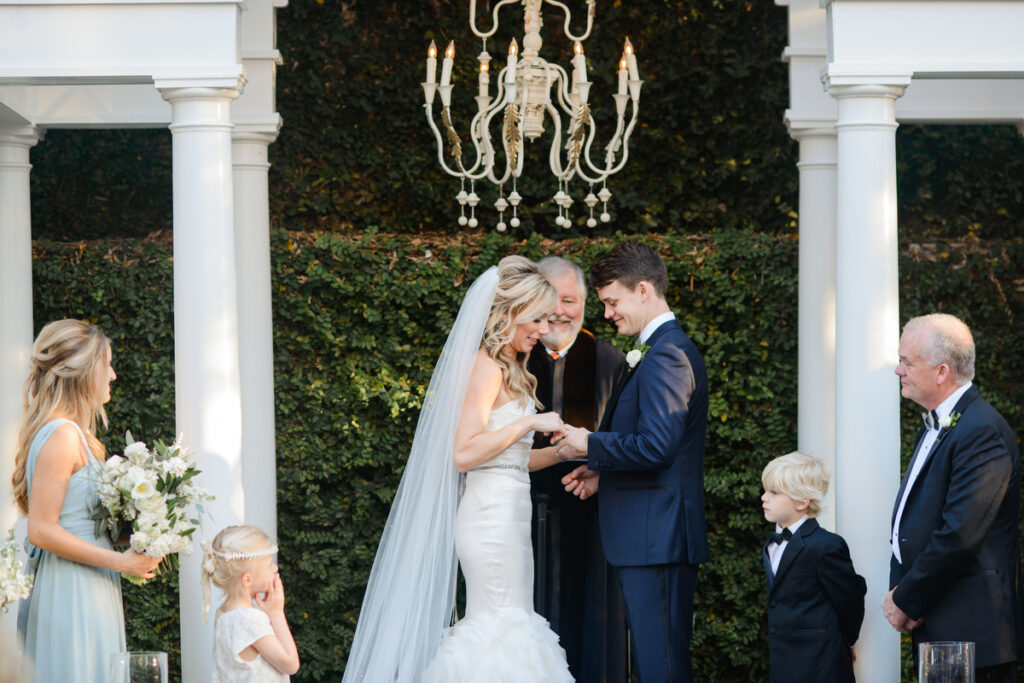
431	63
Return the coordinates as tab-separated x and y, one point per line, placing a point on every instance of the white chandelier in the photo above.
524	98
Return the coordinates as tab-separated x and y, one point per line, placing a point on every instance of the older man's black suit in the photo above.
575	588
958	537
815	608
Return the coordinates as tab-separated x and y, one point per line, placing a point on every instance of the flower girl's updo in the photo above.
65	357
232	554
522	295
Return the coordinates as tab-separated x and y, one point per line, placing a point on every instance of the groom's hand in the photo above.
571	443
581	482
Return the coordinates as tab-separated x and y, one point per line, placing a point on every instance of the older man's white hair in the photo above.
947	340
554	267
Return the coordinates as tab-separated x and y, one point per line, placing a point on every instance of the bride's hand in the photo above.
547	423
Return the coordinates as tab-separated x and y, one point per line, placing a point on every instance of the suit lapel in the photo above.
940	441
627	374
767	561
906	475
793	548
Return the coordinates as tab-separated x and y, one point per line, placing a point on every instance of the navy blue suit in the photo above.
815	608
651	458
958	537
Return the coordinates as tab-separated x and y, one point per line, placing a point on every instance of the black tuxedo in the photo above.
958	537
574	587
815	608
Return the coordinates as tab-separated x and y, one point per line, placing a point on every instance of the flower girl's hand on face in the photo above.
142	566
547	423
272	601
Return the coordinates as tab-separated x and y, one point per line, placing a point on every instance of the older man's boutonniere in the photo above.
949	421
637	354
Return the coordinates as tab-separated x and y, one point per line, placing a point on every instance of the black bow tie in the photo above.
931	420
781	536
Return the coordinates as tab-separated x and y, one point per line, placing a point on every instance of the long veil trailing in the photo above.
409	597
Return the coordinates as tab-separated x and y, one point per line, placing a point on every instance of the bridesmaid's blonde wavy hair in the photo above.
523	295
65	357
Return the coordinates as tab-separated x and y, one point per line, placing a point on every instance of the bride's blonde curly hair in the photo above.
523	295
65	357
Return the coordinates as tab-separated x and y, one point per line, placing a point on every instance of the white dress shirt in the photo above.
775	550
923	451
650	327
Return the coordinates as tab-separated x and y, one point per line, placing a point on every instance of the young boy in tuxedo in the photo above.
815	598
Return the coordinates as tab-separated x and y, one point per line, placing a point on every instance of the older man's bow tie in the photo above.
780	537
931	419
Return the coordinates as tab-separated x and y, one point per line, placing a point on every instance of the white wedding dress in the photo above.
501	639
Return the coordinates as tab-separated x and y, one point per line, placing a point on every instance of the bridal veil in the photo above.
410	594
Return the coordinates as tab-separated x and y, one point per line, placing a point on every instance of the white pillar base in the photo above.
16	314
867	336
206	366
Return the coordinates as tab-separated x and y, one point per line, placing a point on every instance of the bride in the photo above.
478	417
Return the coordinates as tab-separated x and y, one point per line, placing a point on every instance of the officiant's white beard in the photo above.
563	331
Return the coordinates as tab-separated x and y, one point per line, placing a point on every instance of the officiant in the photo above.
575	588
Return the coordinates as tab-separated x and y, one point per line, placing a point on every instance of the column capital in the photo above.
179	93
22	136
249	132
842	91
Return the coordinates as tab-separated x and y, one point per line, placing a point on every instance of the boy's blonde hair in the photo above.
799	476
232	553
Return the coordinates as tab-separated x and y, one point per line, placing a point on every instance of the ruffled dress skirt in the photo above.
501	639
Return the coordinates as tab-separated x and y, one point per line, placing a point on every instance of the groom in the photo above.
649	459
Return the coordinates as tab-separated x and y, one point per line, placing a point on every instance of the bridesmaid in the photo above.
73	620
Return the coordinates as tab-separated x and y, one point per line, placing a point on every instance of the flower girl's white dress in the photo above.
501	638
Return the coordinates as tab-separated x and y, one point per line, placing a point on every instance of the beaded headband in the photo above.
230	557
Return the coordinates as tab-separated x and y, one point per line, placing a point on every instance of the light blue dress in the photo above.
73	620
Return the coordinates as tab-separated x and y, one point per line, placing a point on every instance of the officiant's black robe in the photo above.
574	587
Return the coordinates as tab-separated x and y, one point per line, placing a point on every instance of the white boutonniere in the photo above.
949	421
637	354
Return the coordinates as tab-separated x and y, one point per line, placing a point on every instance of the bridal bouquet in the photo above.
150	494
13	584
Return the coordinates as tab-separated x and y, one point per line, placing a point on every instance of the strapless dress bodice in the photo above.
516	458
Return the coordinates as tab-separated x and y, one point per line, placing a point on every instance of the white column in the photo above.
206	366
867	334
255	325
817	295
15	312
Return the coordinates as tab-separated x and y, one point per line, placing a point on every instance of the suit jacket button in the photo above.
771	630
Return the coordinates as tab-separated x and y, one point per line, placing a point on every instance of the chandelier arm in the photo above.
554	153
562	88
480	154
494	20
601	174
440	143
590	19
625	143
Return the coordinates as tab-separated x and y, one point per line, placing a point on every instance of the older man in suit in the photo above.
955	571
576	590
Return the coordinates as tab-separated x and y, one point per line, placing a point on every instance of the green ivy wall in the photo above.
358	324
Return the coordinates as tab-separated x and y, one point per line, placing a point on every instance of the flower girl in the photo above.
250	644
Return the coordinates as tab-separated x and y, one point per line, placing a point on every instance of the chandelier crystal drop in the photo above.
531	91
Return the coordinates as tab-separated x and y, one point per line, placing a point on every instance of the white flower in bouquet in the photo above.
152	495
14	585
143	489
136	452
